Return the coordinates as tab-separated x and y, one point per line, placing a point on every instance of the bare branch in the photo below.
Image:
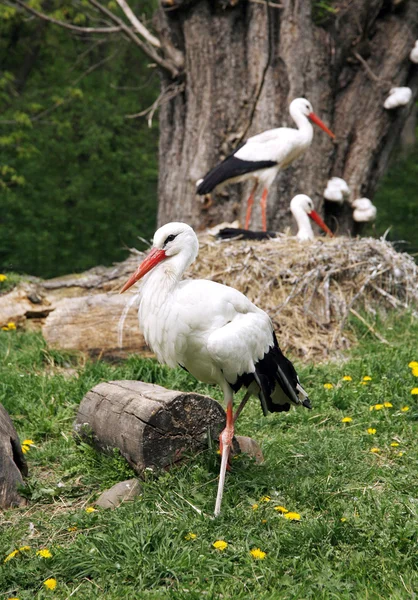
140	28
65	25
146	48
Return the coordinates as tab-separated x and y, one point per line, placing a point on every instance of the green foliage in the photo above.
78	181
358	533
397	203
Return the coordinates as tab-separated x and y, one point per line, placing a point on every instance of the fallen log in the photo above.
12	463
151	426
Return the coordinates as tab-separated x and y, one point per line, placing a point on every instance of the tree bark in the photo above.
245	62
151	426
12	463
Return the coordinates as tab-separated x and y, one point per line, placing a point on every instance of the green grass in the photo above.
314	465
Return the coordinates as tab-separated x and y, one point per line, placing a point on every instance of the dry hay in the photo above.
310	289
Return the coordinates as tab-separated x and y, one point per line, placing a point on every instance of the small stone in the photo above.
120	492
249	446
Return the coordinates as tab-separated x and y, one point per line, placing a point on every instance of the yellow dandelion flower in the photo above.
394	444
415	371
218	452
364	382
413	364
50	583
28	442
25	448
347	378
45	553
258	554
371	431
328	386
414	391
220	545
3	277
346	420
90	509
401	453
190	536
11	555
265	499
378	406
388	404
375	450
264	521
11	326
281	509
367	378
14	598
24	548
404	408
343	519
74	528
254	506
292	516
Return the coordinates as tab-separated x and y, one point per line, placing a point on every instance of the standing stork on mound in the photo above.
263	155
213	331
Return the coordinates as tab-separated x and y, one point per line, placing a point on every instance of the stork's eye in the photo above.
169	238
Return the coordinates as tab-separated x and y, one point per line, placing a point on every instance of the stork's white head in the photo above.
170	241
300	206
301	106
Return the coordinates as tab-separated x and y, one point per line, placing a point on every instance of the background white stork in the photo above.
211	330
263	155
301	207
337	190
364	210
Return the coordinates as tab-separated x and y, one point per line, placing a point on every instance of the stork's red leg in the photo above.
225	443
263	204
250	203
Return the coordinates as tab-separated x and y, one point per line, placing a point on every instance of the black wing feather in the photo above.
228	233
274	368
230	168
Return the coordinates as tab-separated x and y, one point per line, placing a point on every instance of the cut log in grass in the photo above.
151	426
12	463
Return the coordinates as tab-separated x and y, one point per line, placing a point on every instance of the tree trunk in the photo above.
12	463
151	426
245	62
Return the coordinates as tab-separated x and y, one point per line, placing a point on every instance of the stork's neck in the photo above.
304	126
162	280
305	231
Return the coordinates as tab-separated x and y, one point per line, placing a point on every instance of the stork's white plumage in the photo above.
302	208
211	330
413	56
337	190
263	155
398	96
364	210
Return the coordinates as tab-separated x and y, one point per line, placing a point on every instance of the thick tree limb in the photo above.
140	28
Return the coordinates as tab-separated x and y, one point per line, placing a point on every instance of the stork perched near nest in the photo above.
301	207
213	331
262	156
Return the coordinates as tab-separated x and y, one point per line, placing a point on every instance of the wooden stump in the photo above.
151	426
12	463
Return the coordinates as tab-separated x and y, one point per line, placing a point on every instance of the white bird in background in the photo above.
364	210
414	53
211	330
337	190
398	96
263	155
301	207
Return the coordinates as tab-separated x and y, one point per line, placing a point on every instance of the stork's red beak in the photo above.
312	116
154	257
315	217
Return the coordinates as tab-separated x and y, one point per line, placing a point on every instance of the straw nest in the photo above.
311	289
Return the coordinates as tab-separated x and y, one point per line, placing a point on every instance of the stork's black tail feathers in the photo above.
229	233
278	382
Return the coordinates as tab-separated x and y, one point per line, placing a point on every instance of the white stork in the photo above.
263	155
364	210
213	331
301	208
